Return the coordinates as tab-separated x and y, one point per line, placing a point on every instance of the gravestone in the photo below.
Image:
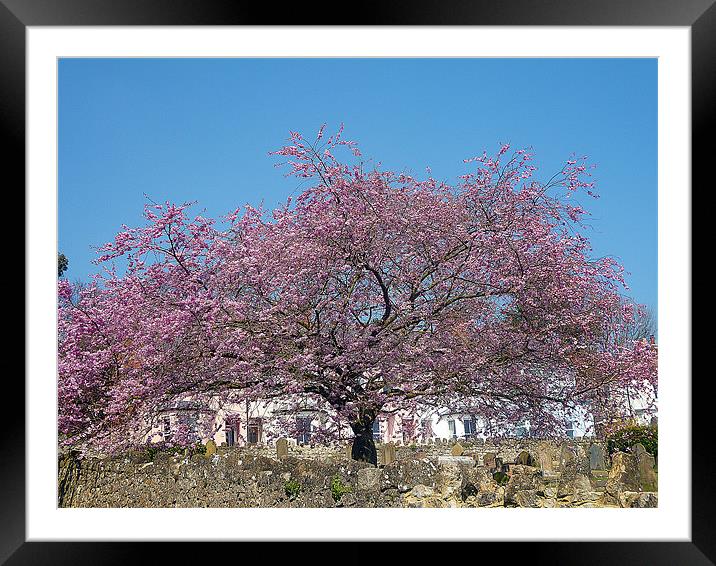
457	450
391	452
645	464
525	459
281	448
545	457
568	461
388	453
622	474
348	451
597	460
488	460
463	460
210	449
567	455
582	459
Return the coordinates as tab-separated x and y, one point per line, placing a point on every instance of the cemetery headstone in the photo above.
489	460
282	448
597	460
525	459
457	450
545	458
567	455
463	460
582	459
638	449
568	461
645	465
388	451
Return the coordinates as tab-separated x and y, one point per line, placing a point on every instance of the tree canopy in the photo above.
373	290
62	264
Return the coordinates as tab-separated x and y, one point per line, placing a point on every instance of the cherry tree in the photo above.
372	291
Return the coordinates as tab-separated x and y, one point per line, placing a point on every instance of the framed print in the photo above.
359	281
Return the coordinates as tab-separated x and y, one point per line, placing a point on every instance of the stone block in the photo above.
368	479
282	448
597	459
457	450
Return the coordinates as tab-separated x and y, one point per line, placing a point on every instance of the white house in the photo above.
261	422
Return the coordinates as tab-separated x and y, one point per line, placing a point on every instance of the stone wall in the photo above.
506	473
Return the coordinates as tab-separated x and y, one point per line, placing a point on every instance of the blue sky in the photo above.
200	130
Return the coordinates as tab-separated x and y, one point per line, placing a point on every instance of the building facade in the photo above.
262	422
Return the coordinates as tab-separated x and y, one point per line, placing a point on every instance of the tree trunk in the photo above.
363	449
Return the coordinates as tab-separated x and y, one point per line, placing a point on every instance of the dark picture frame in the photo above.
17	15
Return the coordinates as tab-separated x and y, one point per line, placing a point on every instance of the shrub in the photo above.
622	439
151	449
338	488
292	488
501	478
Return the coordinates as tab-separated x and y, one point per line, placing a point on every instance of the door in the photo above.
254	432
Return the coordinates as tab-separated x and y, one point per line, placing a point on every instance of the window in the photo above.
193	427
376	430
570	429
451	427
230	438
166	426
254	432
189	424
408	429
303	427
470	427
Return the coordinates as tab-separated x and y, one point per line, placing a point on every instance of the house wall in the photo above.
222	416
